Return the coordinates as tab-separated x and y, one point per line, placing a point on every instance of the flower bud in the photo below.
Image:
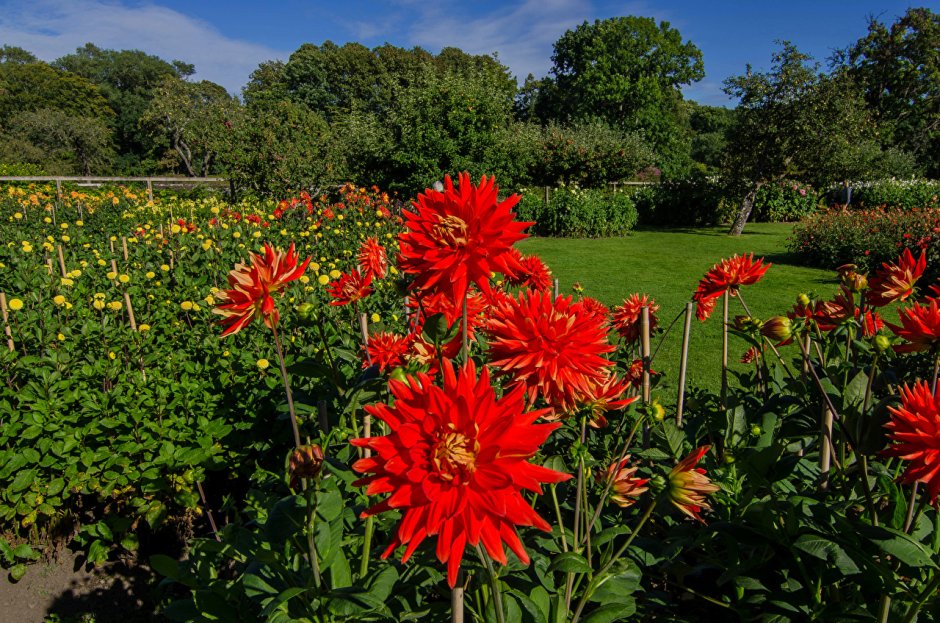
756	430
305	311
305	463
777	328
882	343
746	324
802	299
657	411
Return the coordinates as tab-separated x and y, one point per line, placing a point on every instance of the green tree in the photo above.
14	54
191	118
128	79
794	122
898	68
58	142
28	87
627	71
710	125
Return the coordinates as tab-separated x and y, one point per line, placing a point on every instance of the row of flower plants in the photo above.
868	237
454	439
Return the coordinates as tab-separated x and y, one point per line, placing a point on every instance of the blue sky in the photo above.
226	39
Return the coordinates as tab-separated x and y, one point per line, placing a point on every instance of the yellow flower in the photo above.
143	327
236	234
304	279
375	318
111	275
101	262
323	280
164	268
226	354
124	278
27	248
150	274
263	364
186	305
79	223
314	267
256	234
47	220
112	355
98	304
16	304
65	238
64	225
66	281
60	337
58	299
335	274
210	300
176	229
17	215
114	305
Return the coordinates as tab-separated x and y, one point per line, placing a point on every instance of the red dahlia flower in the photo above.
455	462
920	326
372	258
350	288
253	285
627	316
606	395
532	274
895	282
460	237
625	488
440	303
593	307
388	350
728	275
915	430
688	485
553	348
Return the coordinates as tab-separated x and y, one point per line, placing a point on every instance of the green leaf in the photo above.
612	612
25	552
570	562
165	566
619	584
902	547
97	553
155	513
17	572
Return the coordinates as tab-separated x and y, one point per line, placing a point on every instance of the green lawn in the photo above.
668	264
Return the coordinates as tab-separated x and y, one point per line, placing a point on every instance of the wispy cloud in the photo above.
53	28
522	33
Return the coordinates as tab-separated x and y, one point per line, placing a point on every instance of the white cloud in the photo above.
53	28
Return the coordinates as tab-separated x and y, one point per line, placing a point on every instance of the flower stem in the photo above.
290	397
561	523
494	583
592	585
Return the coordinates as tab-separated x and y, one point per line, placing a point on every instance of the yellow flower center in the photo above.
451	230
455	455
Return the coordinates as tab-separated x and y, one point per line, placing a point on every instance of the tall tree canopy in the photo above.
898	68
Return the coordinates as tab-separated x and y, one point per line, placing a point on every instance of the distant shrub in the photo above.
906	194
694	200
21	169
785	201
578	213
867	238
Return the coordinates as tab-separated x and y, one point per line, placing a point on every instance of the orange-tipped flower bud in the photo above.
778	328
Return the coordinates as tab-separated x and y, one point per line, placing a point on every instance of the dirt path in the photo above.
64	592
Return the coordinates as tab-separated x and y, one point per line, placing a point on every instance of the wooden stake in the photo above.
124	246
645	354
113	266
61	260
684	361
149	190
556	289
49	264
825	447
456	599
130	311
111	242
6	321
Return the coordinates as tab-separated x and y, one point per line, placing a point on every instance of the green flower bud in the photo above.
882	343
803	300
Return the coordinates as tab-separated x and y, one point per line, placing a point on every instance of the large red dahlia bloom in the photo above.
895	281
553	348
252	286
455	463
915	430
350	288
627	316
459	237
372	258
920	326
728	275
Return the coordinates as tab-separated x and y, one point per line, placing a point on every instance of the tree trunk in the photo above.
744	212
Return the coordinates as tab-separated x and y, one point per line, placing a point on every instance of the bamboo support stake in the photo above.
61	260
149	190
124	247
557	290
130	311
456	599
6	321
645	354
684	361
825	447
49	264
111	242
113	266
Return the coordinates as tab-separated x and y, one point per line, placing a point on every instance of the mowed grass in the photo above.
667	265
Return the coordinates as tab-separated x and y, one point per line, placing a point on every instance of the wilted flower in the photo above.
305	464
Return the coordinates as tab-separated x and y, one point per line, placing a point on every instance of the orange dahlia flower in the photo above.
728	275
606	395
388	350
920	326
915	430
252	286
688	485
372	258
350	288
460	237
627	316
553	348
455	462
625	488
895	281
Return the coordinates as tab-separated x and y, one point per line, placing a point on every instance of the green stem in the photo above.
494	582
592	585
290	397
924	596
561	523
366	548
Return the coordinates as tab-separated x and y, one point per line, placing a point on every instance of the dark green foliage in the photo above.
784	202
694	200
578	213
